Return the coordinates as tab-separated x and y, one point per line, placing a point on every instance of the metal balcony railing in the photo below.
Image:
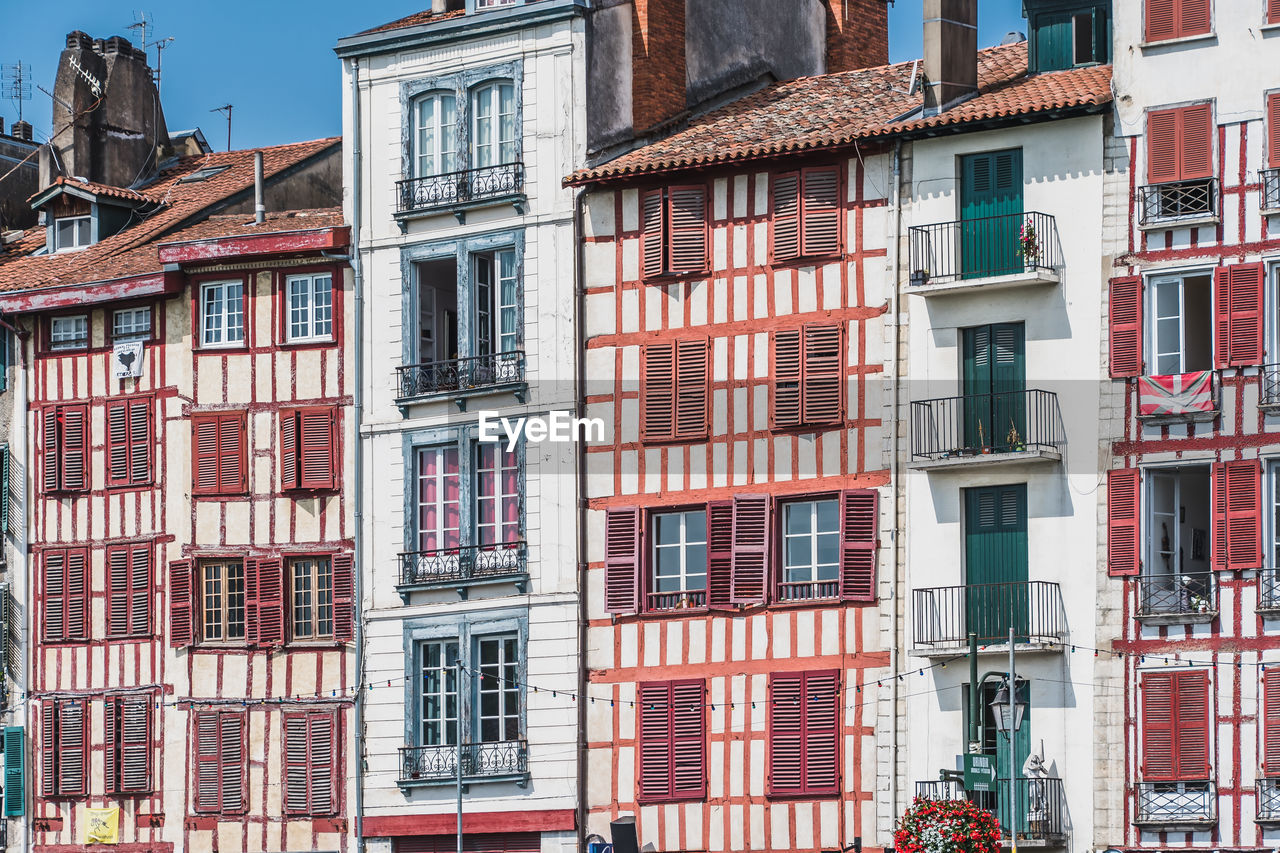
1177	802
984	248
1190	594
444	566
945	616
439	763
1039	804
985	424
460	374
677	600
808	590
1268	799
1270	189
1170	203
1270	390
1269	589
451	188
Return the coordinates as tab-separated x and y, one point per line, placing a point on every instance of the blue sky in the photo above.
273	59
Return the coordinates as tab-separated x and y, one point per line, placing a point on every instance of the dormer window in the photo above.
1068	34
493	4
71	232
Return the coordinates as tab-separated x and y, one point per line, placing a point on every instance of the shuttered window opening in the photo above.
1270	746
129	442
223	600
1273	110
1175	726
492	842
806	219
673	236
1171	19
129	590
310	763
219	461
63	747
320	602
1123	508
220	761
1237	515
804	733
808	375
308	448
15	772
127	748
673	741
1238	311
1124	307
1180	144
66	595
674	391
65	459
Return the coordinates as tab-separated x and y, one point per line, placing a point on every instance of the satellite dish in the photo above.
126	359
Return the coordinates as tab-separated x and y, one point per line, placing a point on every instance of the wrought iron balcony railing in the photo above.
1038	804
1177	802
943	617
1268	799
460	375
1187	595
982	425
984	248
1270	389
1269	589
1170	203
808	590
452	188
1270	189
445	566
479	760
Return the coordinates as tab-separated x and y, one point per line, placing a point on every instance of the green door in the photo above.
1011	796
995	381
990	213
995	561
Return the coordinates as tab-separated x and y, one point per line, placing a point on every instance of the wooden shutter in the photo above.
288	450
218	455
55	596
296	764
1123	527
15	777
1157	727
720	554
71	746
117	443
128	442
252	603
140	441
204	454
860	515
785	223
1238	313
1273	106
1195	154
1162	20
691	388
135	745
655	741
77	594
823	380
118	592
653	233
820	205
1162	141
1124	305
688	219
1194	17
181	629
1271	721
51	449
207	763
232	760
751	535
48	748
140	590
786	733
1237	510
323	733
231	454
688	739
622	544
1191	724
1273	11
658	392
74	449
821	732
111	744
4	489
343	598
316	450
128	590
271	601
786	371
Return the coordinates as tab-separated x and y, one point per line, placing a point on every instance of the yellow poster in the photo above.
102	826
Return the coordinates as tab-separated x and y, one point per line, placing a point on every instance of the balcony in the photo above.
461	378
1269	592
462	567
986	429
498	761
1269	392
943	617
457	191
1268	810
1186	599
1270	190
1012	250
689	599
1038	803
1181	804
1180	204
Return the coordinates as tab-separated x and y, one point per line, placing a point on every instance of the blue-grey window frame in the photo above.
461	84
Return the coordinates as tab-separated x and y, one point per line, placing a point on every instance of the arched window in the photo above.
435	137
493	124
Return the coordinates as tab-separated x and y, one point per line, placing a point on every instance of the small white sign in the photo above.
126	359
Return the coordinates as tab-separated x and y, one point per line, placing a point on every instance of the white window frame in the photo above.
82	227
218	338
507	689
448	689
487	142
77	339
309	320
681	547
812	568
1151	320
442	128
132	333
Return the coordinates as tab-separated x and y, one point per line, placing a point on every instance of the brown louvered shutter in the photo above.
751	535
1162	146
55	596
140	590
658	393
1194	17
1238	309
207	762
51	449
252	605
48	748
655	741
1191	725
820	206
688	740
316	451
271	601
1271	721
860	515
786	733
343	598
324	751
822	375
622	544
111	743
140	441
821	733
653	233
118	592
688	218
1195	155
135	744
1273	107
117	443
296	764
231	454
1162	19
785	223
1157	727
785	401
720	554
1237	510
77	594
204	454
1125	310
71	746
232	761
288	449
1123	513
1273	11
75	476
181	629
691	388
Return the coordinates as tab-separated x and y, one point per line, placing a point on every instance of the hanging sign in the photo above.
102	826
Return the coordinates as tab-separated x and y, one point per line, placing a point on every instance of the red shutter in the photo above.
74	448
1162	19
181	629
786	733
71	746
1157	727
720	554
1238	309
860	515
785	402
140	441
207	762
1195	156
1125	309
688	739
117	444
823	374
111	743
77	594
135	744
655	741
1191	725
296	764
288	449
140	590
691	389
231	454
622	543
323	735
1162	143
688	218
48	748
1271	721
204	454
118	593
1237	510
317	448
252	603
653	215
658	392
51	449
232	759
343	598
55	596
1195	17
1123	528
1273	105
271	602
821	733
751	534
1273	11
785	223
820	205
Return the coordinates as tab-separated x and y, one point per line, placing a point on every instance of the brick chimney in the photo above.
857	34
658	73
950	52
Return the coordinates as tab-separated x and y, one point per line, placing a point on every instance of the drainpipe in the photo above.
580	339
20	547
357	413
895	383
259	208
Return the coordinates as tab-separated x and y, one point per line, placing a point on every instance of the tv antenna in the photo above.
15	84
227	109
160	45
141	22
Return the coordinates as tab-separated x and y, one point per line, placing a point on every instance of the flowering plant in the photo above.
946	826
1029	242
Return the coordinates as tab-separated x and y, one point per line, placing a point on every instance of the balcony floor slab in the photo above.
983	284
958	651
980	460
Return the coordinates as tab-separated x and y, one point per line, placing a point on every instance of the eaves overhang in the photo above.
470	26
48	298
242	246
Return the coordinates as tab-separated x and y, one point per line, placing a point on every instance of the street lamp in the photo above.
1001	707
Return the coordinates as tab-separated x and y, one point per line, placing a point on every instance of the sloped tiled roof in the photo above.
837	109
412	21
96	189
241	224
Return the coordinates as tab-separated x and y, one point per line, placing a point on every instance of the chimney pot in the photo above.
22	130
438	7
950	52
119	44
78	39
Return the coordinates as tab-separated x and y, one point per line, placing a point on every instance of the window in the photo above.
1171	19
127	745
1180	144
72	232
674	391
808	375
439	516
70	332
435	139
498	688
679	560
131	324
310	300
311	586
803	733
308	446
129	590
497	515
220	763
496	302
494	515
222	601
1071	37
810	549
1270	740
673	741
63	747
310	762
129	442
674	238
493	124
491	689
1181	324
219	451
1082	41
438	725
1177	574
806	213
1175	726
222	313
66	595
490	287
65	453
493	4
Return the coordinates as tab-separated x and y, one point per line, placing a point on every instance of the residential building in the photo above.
19	178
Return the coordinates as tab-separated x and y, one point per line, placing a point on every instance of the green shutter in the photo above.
995	561
14	756
6	357
990	213
4	490
1051	42
994	375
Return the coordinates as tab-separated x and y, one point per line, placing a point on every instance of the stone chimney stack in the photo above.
950	52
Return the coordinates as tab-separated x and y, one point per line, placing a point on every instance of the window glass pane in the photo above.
303	600
131	324
213	313
508	306
482	133
828	516
71	232
213	602
439	513
1082	27
448	133
322	306
426	137
82	231
438	695
69	332
507	122
324	598
235	601
235	312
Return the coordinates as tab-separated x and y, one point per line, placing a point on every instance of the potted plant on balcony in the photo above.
1012	439
1029	244
946	826
919	277
982	439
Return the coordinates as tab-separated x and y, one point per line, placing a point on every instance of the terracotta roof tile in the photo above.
97	189
413	20
242	224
